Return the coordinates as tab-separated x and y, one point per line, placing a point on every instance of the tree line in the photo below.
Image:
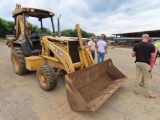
73	33
7	28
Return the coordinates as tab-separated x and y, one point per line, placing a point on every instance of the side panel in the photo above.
73	51
34	62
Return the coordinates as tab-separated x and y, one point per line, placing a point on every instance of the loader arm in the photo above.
85	56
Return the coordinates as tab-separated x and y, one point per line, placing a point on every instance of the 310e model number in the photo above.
59	52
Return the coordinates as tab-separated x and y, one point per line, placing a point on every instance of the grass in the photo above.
2	40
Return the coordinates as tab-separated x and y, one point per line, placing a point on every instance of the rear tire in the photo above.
18	61
46	78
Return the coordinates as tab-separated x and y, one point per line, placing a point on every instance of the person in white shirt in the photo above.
92	46
101	49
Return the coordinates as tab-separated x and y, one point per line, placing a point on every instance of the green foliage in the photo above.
1	40
90	34
6	27
105	37
45	30
38	30
73	33
66	33
32	27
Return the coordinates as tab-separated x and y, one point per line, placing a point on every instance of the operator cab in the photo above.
23	34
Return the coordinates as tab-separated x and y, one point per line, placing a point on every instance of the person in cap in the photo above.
101	49
92	46
143	51
151	63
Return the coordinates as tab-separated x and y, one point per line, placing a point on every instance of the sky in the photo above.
98	16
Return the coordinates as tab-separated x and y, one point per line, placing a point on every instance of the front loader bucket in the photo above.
88	88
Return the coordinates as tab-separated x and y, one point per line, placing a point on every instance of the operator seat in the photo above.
35	40
34	36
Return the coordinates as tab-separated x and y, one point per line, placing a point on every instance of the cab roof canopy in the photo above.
33	12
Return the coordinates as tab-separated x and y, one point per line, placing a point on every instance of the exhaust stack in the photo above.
58	21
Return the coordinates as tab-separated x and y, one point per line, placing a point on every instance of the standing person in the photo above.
92	45
158	50
143	52
151	63
101	49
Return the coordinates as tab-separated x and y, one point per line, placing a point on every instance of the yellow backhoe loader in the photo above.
88	85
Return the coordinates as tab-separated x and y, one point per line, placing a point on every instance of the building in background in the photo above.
130	39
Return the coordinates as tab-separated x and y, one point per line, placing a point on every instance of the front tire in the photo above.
46	78
18	61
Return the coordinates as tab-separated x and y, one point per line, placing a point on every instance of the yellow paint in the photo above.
34	62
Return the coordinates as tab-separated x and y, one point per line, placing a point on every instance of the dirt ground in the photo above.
21	98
